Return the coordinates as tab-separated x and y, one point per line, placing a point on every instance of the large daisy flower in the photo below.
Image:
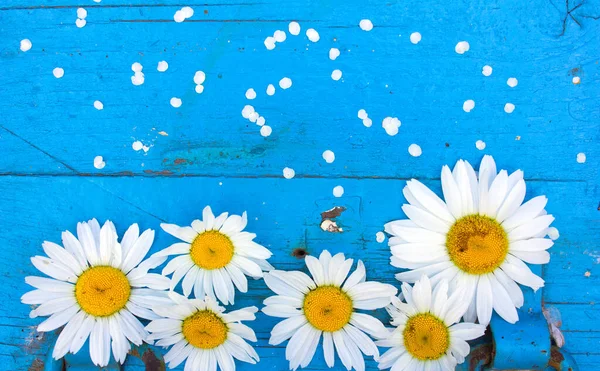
324	305
478	238
97	288
201	332
216	255
426	336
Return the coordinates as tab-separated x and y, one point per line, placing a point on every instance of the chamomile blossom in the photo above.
324	306
215	255
478	238
202	334
427	336
97	288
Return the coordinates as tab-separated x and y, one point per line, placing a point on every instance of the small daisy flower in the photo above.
201	332
478	238
427	336
325	305
97	288
216	255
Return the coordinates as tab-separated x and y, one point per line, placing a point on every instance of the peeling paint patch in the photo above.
329	225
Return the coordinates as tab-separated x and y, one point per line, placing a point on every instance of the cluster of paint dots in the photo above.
391	125
183	14
251	115
81	15
362	114
138	146
138	76
199	78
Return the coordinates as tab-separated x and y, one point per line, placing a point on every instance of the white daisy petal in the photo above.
208	218
513	201
502	303
58	319
356	277
342	350
415	234
61	348
429	200
88	243
53	269
285	329
531	229
186	234
467	331
63	257
520	272
425	220
497	193
138	251
73	246
484	300
464	187
129	238
83	332
451	194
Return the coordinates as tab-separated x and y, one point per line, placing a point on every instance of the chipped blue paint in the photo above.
50	133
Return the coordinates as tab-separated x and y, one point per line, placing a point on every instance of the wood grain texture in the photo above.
50	131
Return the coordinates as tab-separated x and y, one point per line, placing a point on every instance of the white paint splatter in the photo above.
379	237
288	173
99	162
250	94
480	145
187	12
362	114
486	70
81	13
415	150
179	16
279	36
415	37
334	53
162	66
468	105
509	108
285	83
576	79
265	131
137	78
581	157
253	117
553	233
391	125
146	148
80	23
98	105
365	24
199	77
462	47
199	89
137	145
367	122
329	156
247	111
137	67
294	28
58	72
175	102
312	35
336	75
270	89
338	191
270	43
512	82
260	121
25	45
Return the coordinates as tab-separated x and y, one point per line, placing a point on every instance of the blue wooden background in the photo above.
50	132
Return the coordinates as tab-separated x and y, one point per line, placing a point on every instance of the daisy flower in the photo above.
427	336
215	255
201	332
97	288
478	239
325	305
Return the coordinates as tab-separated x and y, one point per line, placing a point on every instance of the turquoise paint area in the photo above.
50	132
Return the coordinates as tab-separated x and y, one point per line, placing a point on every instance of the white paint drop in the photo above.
247	111
162	66
294	28
480	145
285	83
270	43
199	77
175	102
312	35
187	11
58	72
391	125
199	89
270	89
81	13
365	24
288	173
415	150
486	70
334	53
338	191
279	36
253	117
328	156
415	37
379	237
98	105
581	157
137	78
468	105
250	94
265	131
576	79
362	114
462	47
336	75
80	23
99	162
509	108
25	45
137	145
260	121
553	233
512	82
146	148
137	67
367	122
179	16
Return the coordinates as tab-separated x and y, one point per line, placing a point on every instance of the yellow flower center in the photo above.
102	291
204	329
211	250
426	337
327	308
477	244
